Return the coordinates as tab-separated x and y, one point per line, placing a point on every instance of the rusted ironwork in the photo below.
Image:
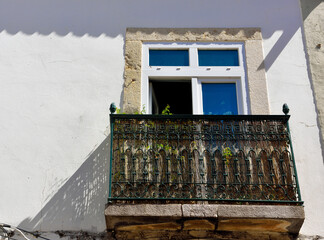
198	157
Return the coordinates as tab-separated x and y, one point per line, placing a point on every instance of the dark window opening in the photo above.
176	94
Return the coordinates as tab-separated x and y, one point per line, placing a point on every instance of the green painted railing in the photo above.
202	157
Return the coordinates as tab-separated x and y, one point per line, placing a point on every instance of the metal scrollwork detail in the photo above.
202	159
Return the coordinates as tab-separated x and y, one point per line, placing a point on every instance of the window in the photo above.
249	76
194	78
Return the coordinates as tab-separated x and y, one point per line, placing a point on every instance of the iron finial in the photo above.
285	109
112	108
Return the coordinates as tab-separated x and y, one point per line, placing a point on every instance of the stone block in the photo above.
198	224
261	211
168	226
133	55
198	234
193	34
145	210
199	210
263	225
260	218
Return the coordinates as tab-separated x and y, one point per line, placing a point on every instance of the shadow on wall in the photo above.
112	17
308	6
78	17
80	203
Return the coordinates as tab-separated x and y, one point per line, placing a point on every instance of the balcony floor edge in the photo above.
191	221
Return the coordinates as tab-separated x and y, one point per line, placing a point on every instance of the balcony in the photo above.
203	164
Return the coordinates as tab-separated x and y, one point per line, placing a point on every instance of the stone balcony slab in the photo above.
204	220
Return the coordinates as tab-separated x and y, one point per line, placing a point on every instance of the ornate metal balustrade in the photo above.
201	157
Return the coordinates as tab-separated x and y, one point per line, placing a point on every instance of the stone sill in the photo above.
204	217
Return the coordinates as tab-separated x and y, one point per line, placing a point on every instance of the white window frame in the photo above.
197	74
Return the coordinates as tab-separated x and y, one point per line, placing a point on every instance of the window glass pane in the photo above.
169	57
219	98
218	58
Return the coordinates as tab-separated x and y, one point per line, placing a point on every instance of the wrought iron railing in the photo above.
202	157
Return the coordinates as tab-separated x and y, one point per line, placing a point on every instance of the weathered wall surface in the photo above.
62	63
313	16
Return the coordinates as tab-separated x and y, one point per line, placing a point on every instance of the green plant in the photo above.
118	111
166	147
174	151
166	110
227	154
143	111
160	146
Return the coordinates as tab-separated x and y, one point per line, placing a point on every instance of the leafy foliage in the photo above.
227	154
166	110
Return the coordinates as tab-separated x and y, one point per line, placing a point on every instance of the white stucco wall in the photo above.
61	65
55	95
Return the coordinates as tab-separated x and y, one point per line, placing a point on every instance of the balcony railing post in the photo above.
285	110
112	110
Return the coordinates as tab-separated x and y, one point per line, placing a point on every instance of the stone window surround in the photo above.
251	37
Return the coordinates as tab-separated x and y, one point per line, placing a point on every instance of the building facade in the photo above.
63	63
